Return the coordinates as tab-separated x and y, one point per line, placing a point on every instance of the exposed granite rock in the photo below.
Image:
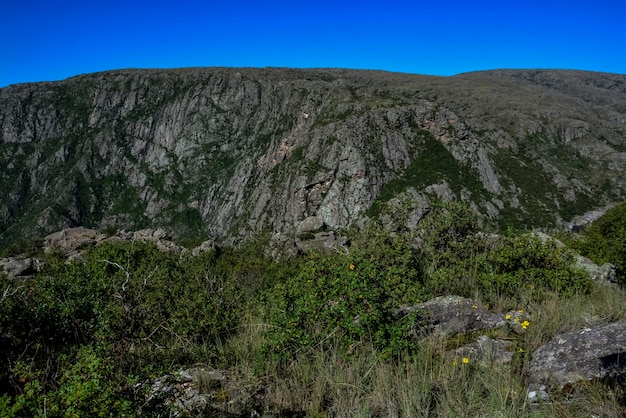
310	224
159	237
71	241
205	246
591	353
204	391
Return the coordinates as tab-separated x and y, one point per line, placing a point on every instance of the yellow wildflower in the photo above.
525	324
465	360
507	317
352	266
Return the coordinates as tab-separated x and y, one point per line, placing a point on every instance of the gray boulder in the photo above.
606	273
449	315
310	224
573	357
71	241
322	242
486	350
19	267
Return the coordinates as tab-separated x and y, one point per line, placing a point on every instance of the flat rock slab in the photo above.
572	357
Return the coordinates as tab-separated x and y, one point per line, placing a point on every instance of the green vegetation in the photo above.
306	335
604	241
432	164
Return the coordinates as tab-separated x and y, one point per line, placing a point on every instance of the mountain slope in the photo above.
233	152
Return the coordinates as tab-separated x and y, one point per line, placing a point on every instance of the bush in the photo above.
347	298
604	241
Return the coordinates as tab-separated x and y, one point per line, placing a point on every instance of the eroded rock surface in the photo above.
569	358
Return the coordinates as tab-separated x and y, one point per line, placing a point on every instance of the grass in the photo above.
313	335
324	382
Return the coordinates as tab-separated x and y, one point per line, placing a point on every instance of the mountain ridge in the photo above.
232	152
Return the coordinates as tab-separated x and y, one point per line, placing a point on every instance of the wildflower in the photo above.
352	266
465	360
525	324
521	311
454	363
521	350
475	306
507	317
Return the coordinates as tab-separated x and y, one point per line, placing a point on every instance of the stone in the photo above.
450	315
310	224
486	350
597	353
204	247
71	241
322	242
606	273
19	267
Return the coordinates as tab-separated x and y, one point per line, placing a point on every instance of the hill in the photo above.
231	152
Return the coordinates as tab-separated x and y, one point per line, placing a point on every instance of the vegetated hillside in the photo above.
228	152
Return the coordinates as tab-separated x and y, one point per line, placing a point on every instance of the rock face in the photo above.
228	153
569	358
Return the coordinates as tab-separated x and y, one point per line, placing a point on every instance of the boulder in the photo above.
204	391
449	315
310	224
19	267
486	351
159	237
323	242
584	355
71	241
606	273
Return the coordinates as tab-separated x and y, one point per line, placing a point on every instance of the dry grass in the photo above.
325	383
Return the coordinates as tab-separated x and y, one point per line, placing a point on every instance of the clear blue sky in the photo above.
50	40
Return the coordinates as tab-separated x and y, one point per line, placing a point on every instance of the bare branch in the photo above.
121	268
6	294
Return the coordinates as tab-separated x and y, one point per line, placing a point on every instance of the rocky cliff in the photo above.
232	152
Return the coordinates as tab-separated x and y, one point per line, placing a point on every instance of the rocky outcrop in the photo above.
451	315
606	273
71	242
19	268
597	353
228	153
204	391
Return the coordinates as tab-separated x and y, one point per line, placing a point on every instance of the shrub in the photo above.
604	241
347	298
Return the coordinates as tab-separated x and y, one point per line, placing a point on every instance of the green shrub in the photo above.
604	241
347	298
457	259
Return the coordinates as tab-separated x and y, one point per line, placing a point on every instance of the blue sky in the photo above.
52	40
